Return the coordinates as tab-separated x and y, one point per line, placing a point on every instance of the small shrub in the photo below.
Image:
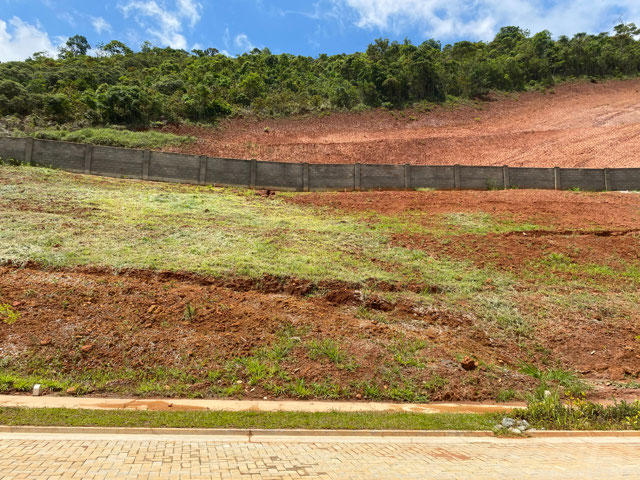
8	315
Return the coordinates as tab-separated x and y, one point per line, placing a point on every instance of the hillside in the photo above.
574	125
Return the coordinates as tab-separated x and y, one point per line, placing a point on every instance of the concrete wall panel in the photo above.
279	175
481	178
228	171
521	177
582	178
173	167
62	155
384	177
12	148
117	162
426	176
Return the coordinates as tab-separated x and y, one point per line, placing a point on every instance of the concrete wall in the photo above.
582	178
521	177
173	167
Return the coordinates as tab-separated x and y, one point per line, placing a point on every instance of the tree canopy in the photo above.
122	87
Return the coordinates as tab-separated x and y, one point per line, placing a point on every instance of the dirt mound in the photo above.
573	125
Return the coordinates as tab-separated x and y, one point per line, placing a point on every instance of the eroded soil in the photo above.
573	125
87	323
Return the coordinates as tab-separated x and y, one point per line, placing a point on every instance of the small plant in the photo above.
505	395
190	312
329	349
405	352
8	315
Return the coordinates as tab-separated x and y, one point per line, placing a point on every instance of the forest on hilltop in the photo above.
117	86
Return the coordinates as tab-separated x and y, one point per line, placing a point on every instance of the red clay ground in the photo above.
74	321
573	125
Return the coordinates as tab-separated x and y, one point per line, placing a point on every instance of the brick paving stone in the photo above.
183	457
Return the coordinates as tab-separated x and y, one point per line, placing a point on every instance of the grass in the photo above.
247	420
551	413
219	232
114	137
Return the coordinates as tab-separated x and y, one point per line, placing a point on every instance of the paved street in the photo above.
92	456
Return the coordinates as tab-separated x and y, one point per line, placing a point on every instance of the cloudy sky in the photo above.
294	26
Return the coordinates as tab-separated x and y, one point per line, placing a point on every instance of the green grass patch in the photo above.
115	137
254	420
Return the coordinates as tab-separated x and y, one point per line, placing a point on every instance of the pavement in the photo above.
243	405
226	456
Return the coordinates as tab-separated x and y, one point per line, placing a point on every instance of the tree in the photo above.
76	45
115	47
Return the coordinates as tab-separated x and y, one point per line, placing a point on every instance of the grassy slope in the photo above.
65	220
113	137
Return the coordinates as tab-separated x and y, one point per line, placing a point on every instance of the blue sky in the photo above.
294	26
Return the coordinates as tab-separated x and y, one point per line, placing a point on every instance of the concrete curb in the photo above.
310	433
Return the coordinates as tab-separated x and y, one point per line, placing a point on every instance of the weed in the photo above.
405	352
190	312
579	414
505	395
8	315
329	348
568	380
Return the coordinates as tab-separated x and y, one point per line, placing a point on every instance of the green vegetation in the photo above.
122	87
114	137
8	315
253	420
551	413
571	384
219	231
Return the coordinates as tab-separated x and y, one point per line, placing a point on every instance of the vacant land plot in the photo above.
572	125
122	287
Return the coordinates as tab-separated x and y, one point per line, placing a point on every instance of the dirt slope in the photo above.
574	125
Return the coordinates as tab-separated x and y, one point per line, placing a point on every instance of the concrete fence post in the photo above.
146	163
407	176
305	177
607	183
202	177
556	178
253	171
357	172
88	158
456	176
28	151
505	177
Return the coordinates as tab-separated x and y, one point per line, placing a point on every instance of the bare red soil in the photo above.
574	125
559	210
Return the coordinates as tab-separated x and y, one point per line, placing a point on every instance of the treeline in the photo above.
118	86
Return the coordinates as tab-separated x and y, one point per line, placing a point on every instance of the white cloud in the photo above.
163	24
19	40
100	25
480	19
242	42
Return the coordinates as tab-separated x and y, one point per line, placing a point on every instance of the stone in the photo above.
469	364
508	422
616	373
37	390
524	425
515	431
